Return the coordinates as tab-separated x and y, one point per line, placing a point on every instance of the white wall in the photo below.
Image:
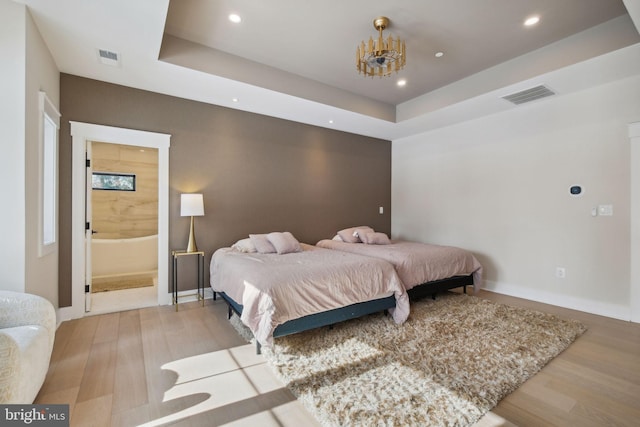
41	74
12	161
499	186
26	67
634	139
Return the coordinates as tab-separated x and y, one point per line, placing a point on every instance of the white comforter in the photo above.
417	263
276	288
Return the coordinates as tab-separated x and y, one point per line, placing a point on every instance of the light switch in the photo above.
605	210
381	210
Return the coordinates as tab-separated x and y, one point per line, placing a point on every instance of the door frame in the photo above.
80	134
634	297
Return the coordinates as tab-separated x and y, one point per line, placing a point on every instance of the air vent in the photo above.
108	58
529	95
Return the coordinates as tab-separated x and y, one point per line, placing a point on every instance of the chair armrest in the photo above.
20	309
10	354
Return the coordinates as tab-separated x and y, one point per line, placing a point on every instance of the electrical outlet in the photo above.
605	210
561	273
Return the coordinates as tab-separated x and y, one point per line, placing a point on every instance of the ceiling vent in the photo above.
109	58
529	95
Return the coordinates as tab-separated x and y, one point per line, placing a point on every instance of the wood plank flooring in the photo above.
157	366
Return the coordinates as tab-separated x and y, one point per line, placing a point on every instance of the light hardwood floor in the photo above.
155	366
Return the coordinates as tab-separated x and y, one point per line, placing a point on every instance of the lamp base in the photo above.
191	246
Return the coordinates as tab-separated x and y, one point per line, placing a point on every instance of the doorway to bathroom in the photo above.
122	191
81	135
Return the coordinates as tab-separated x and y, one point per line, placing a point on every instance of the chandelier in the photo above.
381	57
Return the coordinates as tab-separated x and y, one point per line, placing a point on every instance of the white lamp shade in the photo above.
191	205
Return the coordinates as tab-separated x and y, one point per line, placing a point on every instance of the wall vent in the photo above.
108	57
529	95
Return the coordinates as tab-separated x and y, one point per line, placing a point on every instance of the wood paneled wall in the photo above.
125	214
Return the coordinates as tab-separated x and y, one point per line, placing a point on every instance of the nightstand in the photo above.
175	255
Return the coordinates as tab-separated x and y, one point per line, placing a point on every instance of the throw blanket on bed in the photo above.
276	288
417	263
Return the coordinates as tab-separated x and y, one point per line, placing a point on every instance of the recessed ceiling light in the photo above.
439	54
401	82
533	20
235	99
236	19
331	122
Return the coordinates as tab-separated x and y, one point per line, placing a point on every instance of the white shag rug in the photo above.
449	364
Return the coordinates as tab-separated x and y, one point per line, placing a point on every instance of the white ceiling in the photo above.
296	60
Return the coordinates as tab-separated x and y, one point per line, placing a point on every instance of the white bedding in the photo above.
276	288
417	263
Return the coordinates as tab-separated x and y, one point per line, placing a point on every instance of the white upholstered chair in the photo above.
27	332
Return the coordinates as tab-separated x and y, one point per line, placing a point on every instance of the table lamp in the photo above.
191	205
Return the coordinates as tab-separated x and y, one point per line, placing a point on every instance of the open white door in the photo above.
88	232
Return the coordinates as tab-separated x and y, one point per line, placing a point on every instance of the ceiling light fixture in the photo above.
401	82
381	57
532	21
439	54
236	19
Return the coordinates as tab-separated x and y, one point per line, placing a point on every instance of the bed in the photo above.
424	269
279	294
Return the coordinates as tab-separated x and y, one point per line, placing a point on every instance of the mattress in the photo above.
277	288
416	263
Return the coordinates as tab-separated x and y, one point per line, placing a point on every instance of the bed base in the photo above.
432	288
318	320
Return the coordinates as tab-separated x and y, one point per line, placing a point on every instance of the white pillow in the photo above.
284	242
374	238
262	244
244	245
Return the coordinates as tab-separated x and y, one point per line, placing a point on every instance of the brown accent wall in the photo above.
257	173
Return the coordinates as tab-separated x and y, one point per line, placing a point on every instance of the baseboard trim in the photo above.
615	311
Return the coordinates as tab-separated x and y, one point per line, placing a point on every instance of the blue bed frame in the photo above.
432	288
325	318
330	317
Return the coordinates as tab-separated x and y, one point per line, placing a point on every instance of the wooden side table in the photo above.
174	282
